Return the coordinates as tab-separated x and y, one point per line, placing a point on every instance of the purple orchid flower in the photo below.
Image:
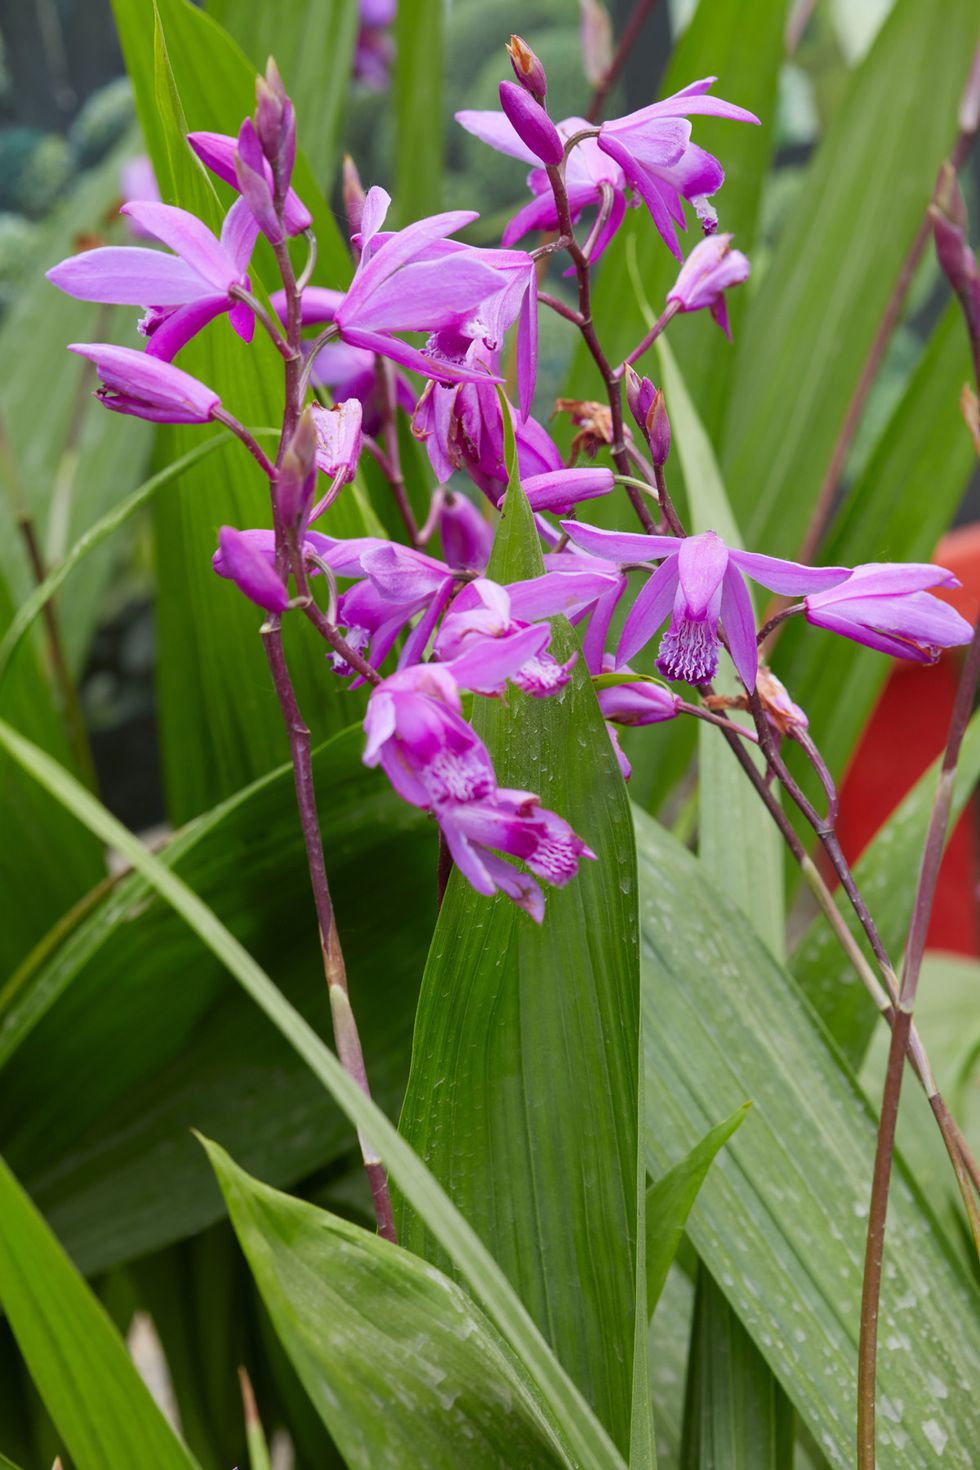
699	581
466	535
636	701
654	149
182	292
143	386
344	371
589	175
400	285
218	150
885	605
397	583
513	822
531	123
480	631
707	273
462	427
435	760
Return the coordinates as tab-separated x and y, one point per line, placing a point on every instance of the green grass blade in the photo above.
77	1360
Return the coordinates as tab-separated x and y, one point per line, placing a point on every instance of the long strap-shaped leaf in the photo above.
77	1360
588	1444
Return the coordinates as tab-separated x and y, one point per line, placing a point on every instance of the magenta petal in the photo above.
489	662
242	319
594	642
738	616
421	296
559	490
418	640
790	578
701	564
494	129
888	578
188	238
649	610
128	275
239	234
251	572
399	250
183	324
540	213
412	357
558	592
147	387
620	546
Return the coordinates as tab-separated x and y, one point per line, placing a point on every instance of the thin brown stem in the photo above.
666	316
631	32
558	306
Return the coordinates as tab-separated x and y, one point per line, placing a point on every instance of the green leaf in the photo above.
732	821
780	1222
886	874
735	1414
418	88
313	45
348	1308
123	1032
670	1198
78	1361
6	1464
220	724
585	1437
544	1008
813	315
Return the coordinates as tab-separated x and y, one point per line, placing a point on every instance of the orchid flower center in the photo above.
555	859
457	775
689	649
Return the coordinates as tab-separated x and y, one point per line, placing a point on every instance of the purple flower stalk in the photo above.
885	605
699	581
182	292
138	384
710	269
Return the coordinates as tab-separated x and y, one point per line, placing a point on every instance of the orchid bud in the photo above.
242	562
467	537
354	196
275	123
250	174
527	68
297	473
956	259
531	123
338	438
646	404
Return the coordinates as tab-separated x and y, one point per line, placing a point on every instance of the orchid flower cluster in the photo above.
427	631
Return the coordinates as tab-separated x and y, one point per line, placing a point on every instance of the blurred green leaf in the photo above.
76	1358
735	1414
313	45
670	1333
779	1222
418	87
543	1007
886	874
358	1316
670	1198
140	1035
587	1441
814	313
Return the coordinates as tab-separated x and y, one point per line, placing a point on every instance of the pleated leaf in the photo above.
401	1365
780	1221
522	1096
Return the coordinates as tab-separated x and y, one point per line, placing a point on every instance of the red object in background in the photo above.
905	734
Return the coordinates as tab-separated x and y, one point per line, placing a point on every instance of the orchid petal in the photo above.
183	324
738	616
701	566
649	610
128	275
239	233
494	129
188	237
790	578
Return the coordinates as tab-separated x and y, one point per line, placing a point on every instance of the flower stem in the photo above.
393	462
669	311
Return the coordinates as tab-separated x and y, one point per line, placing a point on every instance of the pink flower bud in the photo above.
956	259
354	196
250	174
646	404
531	123
527	68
